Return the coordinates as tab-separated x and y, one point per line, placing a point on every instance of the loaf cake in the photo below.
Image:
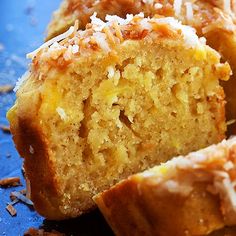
213	19
188	195
99	105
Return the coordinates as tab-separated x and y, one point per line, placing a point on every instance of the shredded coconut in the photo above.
227	6
202	40
75	49
119	20
230	122
195	7
231	192
175	187
228	165
68	53
55	45
96	2
177	7
189	11
98	22
111	72
31	149
101	41
189	33
158	6
21	80
106	34
148	1
52	41
145	24
224	22
61	113
183	163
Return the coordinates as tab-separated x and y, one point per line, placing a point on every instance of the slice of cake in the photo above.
189	195
215	20
101	104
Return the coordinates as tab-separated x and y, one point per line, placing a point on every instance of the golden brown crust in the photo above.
44	187
226	45
32	145
134	208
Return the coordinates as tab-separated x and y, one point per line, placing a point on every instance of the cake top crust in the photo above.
106	35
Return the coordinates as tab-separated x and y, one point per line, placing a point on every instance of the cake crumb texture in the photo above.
95	114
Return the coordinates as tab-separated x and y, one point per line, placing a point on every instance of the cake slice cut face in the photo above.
215	20
107	102
188	195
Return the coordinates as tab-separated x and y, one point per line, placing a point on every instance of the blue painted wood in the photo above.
22	27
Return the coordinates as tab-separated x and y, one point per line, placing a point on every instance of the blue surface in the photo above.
22	27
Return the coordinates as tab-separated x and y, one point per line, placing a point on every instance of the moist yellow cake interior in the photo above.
113	117
215	20
101	104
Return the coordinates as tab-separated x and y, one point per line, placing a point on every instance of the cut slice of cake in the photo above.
215	20
188	195
107	102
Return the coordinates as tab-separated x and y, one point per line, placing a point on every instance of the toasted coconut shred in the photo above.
224	22
189	11
215	164
227	6
104	35
177	6
20	196
61	113
11	210
10	181
158	5
5	128
50	42
21	80
6	88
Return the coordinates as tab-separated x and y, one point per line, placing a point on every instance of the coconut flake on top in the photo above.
105	35
148	1
21	80
97	22
158	6
227	6
177	6
51	42
189	11
121	21
189	33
